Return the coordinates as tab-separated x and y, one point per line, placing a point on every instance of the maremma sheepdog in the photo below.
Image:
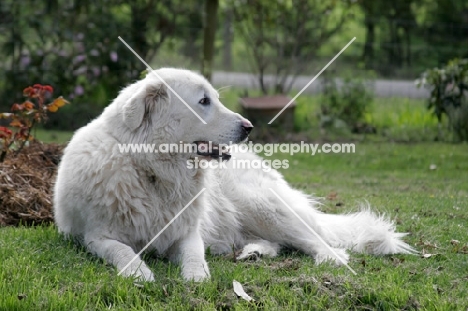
115	203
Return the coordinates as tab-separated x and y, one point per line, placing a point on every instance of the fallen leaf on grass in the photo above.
332	196
239	290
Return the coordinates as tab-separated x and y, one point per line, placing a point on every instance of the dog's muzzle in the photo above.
213	151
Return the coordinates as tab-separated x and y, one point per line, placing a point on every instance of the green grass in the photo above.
42	271
52	136
399	119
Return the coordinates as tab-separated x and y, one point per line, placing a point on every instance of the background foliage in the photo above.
74	46
449	94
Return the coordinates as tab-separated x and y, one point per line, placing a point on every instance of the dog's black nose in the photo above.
247	126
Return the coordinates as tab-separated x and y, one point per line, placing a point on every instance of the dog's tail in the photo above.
363	232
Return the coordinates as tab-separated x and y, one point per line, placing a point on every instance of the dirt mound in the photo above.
26	184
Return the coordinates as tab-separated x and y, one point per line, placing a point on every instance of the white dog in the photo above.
116	202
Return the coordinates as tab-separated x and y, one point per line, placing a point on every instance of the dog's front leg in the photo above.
122	256
189	252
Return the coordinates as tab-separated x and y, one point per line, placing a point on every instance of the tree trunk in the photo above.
209	32
408	46
139	30
394	50
228	37
368	54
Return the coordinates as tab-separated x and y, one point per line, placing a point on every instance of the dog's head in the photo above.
173	105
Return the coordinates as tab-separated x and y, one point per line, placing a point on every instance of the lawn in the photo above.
42	271
49	136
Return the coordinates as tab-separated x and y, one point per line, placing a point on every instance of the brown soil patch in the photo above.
26	184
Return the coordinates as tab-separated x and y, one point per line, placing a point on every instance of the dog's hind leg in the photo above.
286	217
257	248
120	255
273	222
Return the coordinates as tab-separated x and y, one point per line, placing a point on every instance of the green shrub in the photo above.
24	117
346	106
449	94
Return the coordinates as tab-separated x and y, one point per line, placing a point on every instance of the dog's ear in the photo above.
144	102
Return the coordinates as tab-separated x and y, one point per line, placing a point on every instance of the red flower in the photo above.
29	91
5	132
28	105
17	107
48	88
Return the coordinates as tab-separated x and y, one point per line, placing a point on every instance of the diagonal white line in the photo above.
311	81
160	232
315	233
164	82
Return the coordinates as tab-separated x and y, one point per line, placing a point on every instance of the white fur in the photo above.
115	203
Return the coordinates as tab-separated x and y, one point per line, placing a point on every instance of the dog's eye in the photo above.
204	101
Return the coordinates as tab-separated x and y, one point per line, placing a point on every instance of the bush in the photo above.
345	105
449	94
25	116
74	47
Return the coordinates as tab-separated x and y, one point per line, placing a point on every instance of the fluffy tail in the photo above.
363	232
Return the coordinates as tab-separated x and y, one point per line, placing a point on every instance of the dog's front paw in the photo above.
145	275
140	273
197	273
327	255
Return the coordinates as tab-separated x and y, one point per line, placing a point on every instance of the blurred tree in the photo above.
190	31
209	32
446	29
400	20
283	36
395	20
449	94
228	36
371	9
74	46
